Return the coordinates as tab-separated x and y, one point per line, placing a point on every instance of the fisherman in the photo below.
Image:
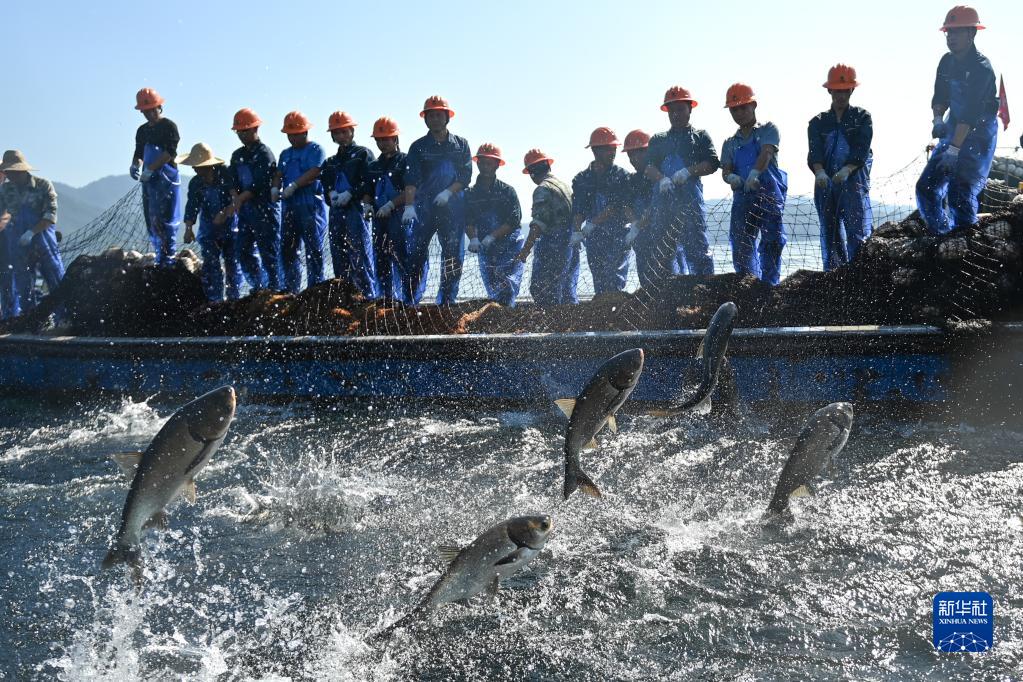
392	238
676	161
555	273
304	221
345	174
254	167
494	227
840	158
439	168
156	145
749	163
210	201
600	196
959	166
28	239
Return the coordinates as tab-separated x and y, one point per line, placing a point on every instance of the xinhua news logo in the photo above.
964	622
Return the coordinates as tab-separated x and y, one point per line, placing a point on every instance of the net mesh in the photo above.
328	308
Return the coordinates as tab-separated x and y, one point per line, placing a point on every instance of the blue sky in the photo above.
520	74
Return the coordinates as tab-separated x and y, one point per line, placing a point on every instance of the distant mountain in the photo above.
76	206
106	191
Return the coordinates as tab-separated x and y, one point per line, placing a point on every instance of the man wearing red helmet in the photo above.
156	145
494	227
959	166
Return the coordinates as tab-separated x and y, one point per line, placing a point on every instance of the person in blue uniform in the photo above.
156	145
840	158
304	218
600	199
399	277
253	167
344	175
749	164
209	201
959	165
555	273
439	168
28	235
494	227
676	160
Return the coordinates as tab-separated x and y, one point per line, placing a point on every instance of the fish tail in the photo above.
779	504
577	479
402	622
123	554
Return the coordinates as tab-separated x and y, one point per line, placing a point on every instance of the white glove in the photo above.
587	228
753	181
474	245
145	175
665	185
385	210
842	175
734	180
577	238
275	194
341	199
631	235
680	176
442	198
26	238
409	215
289	190
821	178
134	172
487	242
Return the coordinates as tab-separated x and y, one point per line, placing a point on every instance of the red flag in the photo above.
1003	106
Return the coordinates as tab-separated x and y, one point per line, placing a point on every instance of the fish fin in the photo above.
448	553
699	351
587	486
188	491
612	424
566	405
703	407
128	462
157	520
801	491
492	588
592	445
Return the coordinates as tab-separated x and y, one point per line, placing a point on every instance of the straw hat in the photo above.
14	160
201	155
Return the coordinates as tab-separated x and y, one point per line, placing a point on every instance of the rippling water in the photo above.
316	526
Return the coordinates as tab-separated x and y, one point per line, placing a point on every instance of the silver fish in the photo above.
822	438
495	555
596	405
168	468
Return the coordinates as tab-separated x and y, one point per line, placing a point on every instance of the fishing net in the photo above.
903	274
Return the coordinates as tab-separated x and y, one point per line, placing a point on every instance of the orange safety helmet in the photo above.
340	119
295	122
436	103
739	94
246	119
841	77
603	137
385	126
489	151
677	93
962	16
533	157
637	139
147	98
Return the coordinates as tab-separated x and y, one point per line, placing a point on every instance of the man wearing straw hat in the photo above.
210	201
28	239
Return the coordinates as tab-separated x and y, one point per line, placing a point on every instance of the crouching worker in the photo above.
210	201
493	224
28	239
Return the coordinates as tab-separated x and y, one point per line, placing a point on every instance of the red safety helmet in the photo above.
533	157
295	122
340	119
603	137
677	93
385	126
739	94
841	77
246	119
436	103
962	16
147	98
489	151
637	139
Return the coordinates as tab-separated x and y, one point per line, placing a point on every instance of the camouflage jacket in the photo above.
38	194
552	205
